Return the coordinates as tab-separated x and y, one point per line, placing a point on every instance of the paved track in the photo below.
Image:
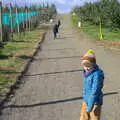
53	83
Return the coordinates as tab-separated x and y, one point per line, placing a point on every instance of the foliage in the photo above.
105	11
44	13
14	57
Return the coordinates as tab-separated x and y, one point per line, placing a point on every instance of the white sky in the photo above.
62	5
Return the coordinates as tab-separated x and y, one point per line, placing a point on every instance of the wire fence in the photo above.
17	18
14	19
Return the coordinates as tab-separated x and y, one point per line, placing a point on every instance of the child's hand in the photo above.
96	110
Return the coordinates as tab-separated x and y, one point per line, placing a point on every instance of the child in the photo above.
92	88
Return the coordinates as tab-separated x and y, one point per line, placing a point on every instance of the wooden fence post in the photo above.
1	32
26	19
11	22
17	18
29	21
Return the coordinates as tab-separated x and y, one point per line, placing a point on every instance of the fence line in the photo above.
16	19
1	22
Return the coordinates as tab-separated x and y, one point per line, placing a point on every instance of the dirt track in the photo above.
53	84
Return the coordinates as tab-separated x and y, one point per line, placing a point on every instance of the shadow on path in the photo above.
52	102
50	73
57	58
64	37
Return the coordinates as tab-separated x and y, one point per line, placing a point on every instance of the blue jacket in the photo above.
92	88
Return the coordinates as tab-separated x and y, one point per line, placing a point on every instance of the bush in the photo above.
106	11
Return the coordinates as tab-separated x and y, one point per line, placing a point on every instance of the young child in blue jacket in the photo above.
92	88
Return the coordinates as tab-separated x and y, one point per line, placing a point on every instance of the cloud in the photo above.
62	5
60	1
67	5
63	10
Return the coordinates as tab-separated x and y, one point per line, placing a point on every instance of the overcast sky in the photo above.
67	5
63	6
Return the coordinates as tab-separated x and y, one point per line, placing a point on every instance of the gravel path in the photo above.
53	83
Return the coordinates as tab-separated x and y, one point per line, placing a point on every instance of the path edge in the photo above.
20	76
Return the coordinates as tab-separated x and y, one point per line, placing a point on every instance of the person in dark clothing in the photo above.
55	30
59	23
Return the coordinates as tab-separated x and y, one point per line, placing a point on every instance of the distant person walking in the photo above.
55	30
59	23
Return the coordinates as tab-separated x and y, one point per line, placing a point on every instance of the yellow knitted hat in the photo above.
89	57
90	53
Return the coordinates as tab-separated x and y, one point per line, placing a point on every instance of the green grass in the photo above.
14	56
93	31
75	20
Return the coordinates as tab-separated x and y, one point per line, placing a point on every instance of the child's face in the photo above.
87	67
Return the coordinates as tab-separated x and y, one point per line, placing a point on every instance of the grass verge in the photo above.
110	38
15	55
